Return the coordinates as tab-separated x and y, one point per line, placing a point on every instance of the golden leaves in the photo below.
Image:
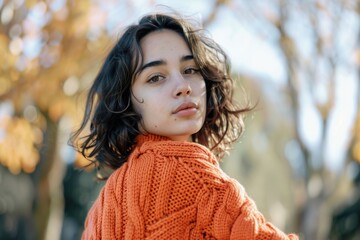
46	56
30	3
17	149
356	151
82	162
356	145
60	107
357	57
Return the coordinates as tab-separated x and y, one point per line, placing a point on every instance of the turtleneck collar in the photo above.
142	138
168	147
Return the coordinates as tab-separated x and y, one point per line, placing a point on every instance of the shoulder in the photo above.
179	161
190	158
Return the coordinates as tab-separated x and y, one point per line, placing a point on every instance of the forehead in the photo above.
163	43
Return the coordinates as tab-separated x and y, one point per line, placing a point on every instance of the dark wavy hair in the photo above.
113	121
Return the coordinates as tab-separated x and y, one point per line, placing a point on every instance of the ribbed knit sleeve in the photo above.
225	211
248	222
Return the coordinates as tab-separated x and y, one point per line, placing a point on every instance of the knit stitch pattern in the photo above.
175	190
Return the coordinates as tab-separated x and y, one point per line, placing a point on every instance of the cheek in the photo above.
204	98
202	91
136	105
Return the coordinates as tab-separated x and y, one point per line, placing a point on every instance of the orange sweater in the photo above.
175	190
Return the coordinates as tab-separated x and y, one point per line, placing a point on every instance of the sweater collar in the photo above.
143	138
168	147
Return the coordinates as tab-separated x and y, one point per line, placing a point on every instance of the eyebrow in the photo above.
162	62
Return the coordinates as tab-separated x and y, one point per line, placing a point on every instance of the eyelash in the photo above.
193	69
158	77
155	79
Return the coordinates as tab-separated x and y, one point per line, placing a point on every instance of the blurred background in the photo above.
298	158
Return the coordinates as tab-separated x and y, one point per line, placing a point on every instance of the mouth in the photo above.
186	107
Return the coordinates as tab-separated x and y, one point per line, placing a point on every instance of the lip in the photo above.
184	107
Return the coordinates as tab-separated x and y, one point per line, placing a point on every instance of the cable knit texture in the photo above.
175	190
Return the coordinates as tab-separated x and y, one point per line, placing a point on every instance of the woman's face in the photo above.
169	92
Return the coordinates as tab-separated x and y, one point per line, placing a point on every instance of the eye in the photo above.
191	70
155	79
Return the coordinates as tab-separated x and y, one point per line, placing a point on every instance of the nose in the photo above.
183	87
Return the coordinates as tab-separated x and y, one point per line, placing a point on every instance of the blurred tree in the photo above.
80	191
346	219
310	37
49	50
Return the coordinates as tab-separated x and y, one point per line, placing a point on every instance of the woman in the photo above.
161	115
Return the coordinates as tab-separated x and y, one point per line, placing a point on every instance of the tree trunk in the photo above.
41	177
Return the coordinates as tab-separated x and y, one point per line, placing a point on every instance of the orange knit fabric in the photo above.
175	190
